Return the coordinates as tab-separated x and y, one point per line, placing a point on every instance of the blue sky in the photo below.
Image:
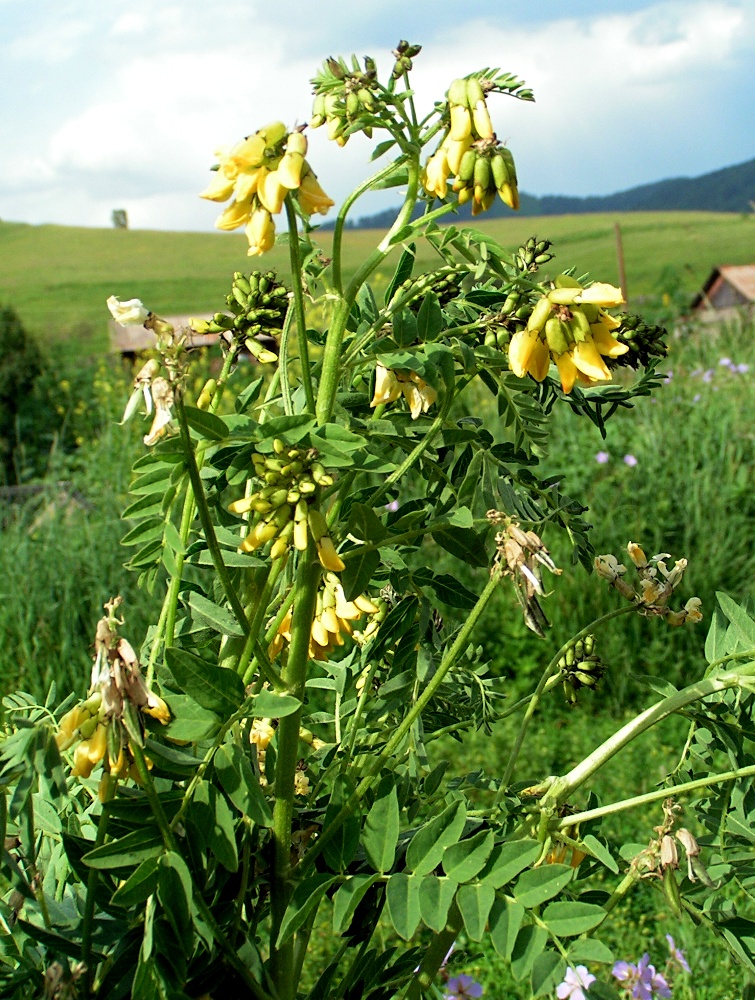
123	104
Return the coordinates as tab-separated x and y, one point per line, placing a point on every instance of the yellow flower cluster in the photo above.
570	325
258	173
471	153
333	618
389	385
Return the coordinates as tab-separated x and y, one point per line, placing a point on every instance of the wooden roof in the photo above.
740	276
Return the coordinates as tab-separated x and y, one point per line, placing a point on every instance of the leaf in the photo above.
402	900
602	991
174	890
590	950
435	897
212	815
601	852
744	626
508	860
429	318
146	531
126	851
359	570
206	424
568	919
138	886
56	943
382	827
190	722
267	705
241	785
715	642
474	902
429	843
506	918
306	898
214	688
464	543
348	897
404	328
539	884
248	396
290	428
547	973
219	619
364	524
530	942
403	271
342	847
453	593
466	859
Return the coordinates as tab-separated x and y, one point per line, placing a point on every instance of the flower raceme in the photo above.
569	325
257	173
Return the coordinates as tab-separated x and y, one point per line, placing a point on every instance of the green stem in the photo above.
285	385
331	363
92	877
171	844
206	521
255	617
301	321
341	219
287	743
453	653
559	791
539	690
660	793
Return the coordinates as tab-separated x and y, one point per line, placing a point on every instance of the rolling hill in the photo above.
731	189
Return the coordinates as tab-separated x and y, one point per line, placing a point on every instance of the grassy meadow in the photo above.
678	477
58	277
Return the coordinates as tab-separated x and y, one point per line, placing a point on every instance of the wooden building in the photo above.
729	287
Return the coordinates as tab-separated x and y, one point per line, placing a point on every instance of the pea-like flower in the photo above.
132	312
462	986
576	981
641	981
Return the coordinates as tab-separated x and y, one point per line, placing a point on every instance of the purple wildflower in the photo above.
602	457
707	375
696	398
392	506
677	955
460	987
725	362
669	376
695	372
741	369
630	460
576	981
641	981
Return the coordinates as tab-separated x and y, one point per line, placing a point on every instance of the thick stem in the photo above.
301	321
287	745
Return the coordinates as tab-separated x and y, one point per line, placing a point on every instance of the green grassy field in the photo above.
58	277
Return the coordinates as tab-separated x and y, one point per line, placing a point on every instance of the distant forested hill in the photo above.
731	189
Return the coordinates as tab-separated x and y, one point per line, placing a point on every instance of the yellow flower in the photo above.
236	214
311	196
260	232
523	345
387	388
157	708
436	173
602	294
271	192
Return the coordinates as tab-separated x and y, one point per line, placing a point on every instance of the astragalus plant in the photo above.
267	759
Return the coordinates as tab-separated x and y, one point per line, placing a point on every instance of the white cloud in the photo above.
166	85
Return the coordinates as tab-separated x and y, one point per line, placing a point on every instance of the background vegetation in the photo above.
689	492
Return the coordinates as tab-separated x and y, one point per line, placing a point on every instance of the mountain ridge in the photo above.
728	189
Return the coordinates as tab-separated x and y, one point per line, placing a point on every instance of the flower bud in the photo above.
637	556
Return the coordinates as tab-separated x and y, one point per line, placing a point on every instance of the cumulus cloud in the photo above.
140	96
